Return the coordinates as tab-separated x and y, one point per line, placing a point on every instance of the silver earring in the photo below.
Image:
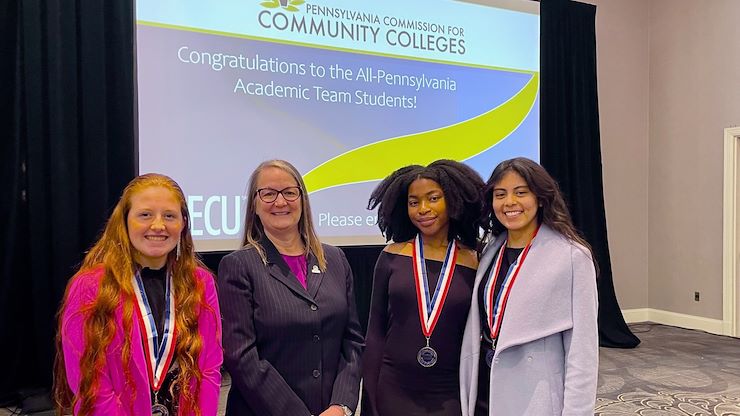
177	253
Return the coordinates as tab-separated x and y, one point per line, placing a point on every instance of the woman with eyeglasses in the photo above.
292	340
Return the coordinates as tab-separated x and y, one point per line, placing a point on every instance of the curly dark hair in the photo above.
462	188
552	210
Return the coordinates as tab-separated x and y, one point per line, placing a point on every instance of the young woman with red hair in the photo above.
139	325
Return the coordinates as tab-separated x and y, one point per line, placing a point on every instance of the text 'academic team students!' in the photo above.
509	329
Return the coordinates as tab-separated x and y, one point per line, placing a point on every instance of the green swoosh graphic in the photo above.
377	160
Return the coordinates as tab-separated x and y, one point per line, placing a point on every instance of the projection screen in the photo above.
345	91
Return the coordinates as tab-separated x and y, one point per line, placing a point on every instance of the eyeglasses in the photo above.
269	195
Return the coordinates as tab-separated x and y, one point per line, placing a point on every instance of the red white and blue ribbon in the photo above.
430	307
495	309
158	350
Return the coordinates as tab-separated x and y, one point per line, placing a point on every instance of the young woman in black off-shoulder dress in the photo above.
422	289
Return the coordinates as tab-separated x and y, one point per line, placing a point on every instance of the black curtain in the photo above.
67	152
570	142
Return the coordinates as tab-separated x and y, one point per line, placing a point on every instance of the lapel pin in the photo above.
315	269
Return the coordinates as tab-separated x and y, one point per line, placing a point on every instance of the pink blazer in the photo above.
112	396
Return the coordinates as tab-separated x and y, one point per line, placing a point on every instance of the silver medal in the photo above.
426	356
489	357
430	304
159	409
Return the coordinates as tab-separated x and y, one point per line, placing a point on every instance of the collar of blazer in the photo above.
527	315
279	269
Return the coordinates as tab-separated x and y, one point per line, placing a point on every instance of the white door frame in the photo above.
730	224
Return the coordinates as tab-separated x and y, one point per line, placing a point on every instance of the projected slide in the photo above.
346	91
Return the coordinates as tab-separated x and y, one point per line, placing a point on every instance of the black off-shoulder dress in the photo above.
395	383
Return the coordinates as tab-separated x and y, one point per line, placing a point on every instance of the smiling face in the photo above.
515	206
154	224
427	209
281	215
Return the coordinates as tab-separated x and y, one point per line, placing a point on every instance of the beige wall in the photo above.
669	83
694	95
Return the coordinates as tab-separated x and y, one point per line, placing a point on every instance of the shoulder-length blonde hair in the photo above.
253	228
114	253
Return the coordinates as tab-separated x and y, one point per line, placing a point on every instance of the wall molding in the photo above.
729	230
636	315
681	320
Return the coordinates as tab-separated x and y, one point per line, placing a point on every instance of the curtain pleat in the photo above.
68	151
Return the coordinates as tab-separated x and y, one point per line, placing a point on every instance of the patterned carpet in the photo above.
673	372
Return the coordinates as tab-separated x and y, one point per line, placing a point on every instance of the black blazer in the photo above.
290	351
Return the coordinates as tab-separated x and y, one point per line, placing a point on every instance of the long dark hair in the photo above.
552	210
461	186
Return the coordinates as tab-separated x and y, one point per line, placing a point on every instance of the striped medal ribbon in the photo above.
495	308
158	350
430	307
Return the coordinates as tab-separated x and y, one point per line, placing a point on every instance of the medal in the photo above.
158	350
427	356
489	357
159	409
430	307
495	307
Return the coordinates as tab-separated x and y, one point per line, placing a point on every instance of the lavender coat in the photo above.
547	357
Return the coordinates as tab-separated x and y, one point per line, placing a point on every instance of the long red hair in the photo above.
114	252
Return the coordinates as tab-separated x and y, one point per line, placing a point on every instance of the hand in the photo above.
333	410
